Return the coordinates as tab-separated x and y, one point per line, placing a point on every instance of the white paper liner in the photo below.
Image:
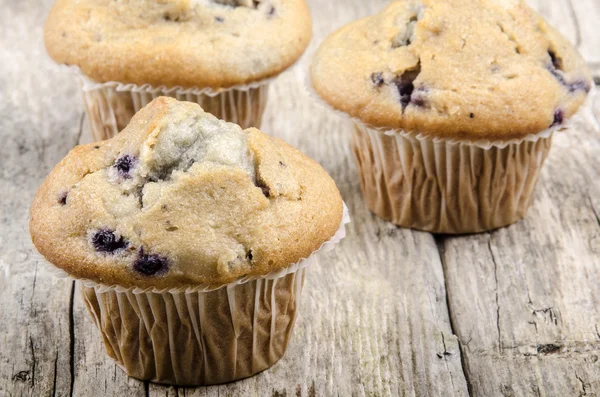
441	187
111	105
325	247
585	111
202	338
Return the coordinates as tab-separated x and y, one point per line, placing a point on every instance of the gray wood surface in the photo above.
515	312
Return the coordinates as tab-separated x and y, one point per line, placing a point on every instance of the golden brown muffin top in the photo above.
180	198
187	43
456	69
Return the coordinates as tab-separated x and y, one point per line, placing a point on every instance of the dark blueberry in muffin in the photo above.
62	198
106	241
151	265
124	165
377	79
405	89
405	85
580	85
559	117
220	19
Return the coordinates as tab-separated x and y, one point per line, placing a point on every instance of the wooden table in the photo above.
515	312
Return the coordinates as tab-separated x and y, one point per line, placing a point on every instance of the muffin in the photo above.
191	238
454	104
220	54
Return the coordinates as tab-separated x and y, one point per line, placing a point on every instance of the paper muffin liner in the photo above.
110	106
449	186
444	187
201	335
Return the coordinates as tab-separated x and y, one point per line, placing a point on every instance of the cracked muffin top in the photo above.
180	198
456	69
187	43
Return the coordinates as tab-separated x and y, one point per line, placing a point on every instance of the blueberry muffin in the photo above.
192	234
218	53
454	104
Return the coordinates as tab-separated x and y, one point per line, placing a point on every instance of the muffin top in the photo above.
180	198
454	69
187	43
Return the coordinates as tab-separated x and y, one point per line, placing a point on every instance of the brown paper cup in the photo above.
198	338
200	335
110	106
447	187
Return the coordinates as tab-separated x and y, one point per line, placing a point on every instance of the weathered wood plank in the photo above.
374	319
586	14
34	308
524	299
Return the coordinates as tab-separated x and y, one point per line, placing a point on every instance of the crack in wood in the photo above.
583	385
72	339
497	296
546	312
32	306
33	358
55	375
445	355
555	348
596	214
439	242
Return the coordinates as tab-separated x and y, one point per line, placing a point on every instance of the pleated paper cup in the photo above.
201	335
110	106
442	186
198	338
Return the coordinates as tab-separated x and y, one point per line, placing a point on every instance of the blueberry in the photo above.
106	241
419	101
405	85
151	265
125	165
62	198
377	79
559	117
405	89
579	85
419	98
220	19
271	11
557	74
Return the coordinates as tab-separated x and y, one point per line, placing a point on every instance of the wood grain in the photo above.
524	299
391	312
